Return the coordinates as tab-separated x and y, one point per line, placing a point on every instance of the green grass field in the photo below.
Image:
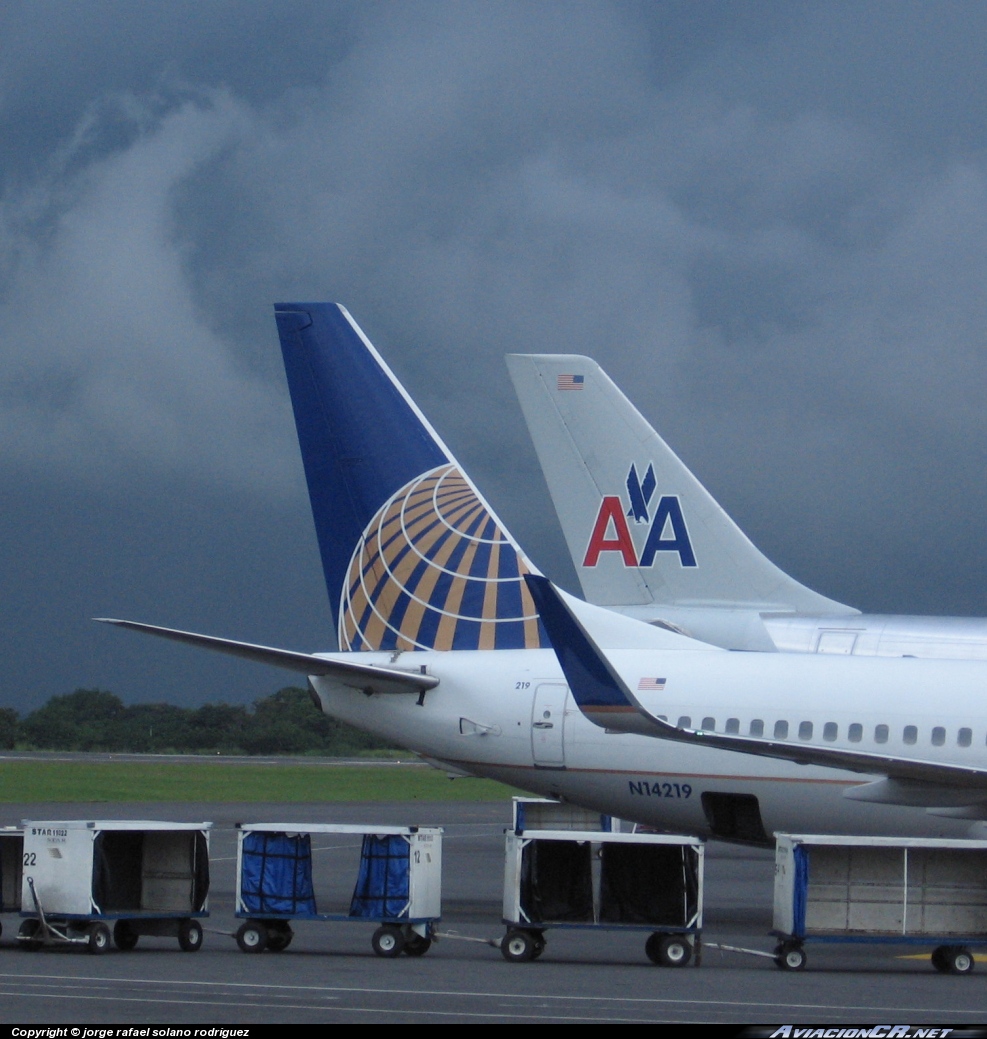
41	781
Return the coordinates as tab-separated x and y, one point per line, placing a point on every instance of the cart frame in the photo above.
671	945
410	932
55	892
951	953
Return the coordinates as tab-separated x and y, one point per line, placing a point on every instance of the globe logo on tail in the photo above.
434	570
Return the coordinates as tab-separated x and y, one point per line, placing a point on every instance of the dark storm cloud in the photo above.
766	221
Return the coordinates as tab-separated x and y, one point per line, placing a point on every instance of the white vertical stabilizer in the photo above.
640	527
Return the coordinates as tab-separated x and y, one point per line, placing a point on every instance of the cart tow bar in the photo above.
41	913
737	948
46	932
493	942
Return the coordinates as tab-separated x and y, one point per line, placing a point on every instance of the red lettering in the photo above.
611	511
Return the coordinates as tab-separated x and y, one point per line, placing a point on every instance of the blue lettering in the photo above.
669	510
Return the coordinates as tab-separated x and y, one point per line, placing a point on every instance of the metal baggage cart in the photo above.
880	890
604	881
543	813
11	857
80	877
398	884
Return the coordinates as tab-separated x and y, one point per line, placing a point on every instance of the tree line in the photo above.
286	722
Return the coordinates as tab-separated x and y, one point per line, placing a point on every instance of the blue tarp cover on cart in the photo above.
276	874
383	887
800	857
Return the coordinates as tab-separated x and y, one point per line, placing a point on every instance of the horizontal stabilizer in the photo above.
606	700
368	678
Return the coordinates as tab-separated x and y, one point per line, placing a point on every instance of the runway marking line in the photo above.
491	995
458	1014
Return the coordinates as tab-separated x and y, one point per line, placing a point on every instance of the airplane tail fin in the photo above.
640	527
413	557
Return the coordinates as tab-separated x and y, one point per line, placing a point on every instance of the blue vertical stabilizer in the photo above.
413	557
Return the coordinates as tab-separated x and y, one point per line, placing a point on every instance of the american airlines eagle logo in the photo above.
665	524
434	570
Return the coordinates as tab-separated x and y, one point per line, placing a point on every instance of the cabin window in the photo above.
830	731
805	730
855	733
910	735
709	724
938	736
733	726
964	737
685	722
880	734
757	727
781	730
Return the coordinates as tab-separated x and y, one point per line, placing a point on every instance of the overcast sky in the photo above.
768	221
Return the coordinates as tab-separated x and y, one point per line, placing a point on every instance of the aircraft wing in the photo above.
368	678
607	701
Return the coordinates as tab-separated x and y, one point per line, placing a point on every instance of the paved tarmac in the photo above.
330	973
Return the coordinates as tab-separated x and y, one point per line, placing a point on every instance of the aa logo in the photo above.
667	531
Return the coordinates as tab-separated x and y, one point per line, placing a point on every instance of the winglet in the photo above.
605	700
598	690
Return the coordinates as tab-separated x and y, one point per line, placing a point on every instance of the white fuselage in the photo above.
508	715
882	635
836	634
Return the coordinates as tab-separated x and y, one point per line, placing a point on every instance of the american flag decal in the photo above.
570	382
651	685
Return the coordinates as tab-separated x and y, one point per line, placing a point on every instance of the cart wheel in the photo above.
27	933
953	959
124	937
279	936
540	944
674	951
388	941
791	956
651	947
99	939
519	946
416	945
190	936
252	936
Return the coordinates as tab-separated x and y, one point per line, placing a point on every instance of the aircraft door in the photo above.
548	725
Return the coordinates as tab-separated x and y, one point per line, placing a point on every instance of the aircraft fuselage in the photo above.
508	715
837	634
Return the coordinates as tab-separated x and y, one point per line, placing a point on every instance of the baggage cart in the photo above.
11	857
542	813
604	881
81	877
880	890
398	884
